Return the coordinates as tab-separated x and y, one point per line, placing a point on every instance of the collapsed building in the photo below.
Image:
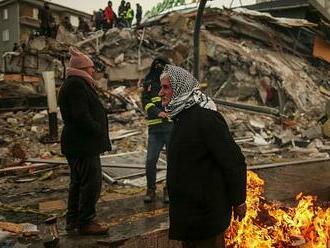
250	61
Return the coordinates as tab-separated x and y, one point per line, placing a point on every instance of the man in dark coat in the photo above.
99	19
206	174
159	126
67	24
84	137
83	26
46	19
138	14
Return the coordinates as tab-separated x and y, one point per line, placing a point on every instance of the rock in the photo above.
39	118
327	109
226	67
257	123
284	137
12	120
34	129
222	58
216	77
312	132
239	75
102	83
4	151
259	140
45	155
38	43
125	34
326	129
253	69
119	59
265	71
246	91
65	36
233	59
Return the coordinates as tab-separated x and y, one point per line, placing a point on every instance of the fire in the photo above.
272	225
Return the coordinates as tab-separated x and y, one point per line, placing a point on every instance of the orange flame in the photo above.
271	225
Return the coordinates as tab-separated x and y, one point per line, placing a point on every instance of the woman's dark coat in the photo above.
206	175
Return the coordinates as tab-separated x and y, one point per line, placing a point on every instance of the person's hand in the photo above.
163	115
240	211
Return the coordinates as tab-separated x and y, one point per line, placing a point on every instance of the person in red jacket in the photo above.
109	15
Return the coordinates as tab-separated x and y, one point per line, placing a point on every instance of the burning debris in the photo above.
274	225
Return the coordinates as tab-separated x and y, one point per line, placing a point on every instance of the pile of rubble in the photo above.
259	69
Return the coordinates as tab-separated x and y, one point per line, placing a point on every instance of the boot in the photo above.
150	196
93	228
165	196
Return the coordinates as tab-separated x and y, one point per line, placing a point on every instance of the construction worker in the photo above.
159	126
129	15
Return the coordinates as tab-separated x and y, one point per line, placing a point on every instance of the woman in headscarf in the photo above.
206	174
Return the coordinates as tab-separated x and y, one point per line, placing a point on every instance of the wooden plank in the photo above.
25	167
50	206
11	227
321	49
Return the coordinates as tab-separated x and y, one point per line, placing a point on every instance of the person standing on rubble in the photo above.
206	174
121	14
46	19
67	24
109	15
83	26
99	19
159	126
138	15
129	15
84	137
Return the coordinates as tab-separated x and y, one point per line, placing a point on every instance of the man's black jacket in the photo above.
85	132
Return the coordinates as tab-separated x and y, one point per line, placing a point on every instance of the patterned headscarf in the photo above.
186	91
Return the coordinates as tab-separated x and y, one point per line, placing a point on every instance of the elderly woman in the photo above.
206	174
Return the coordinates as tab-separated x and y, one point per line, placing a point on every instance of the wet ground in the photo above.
123	208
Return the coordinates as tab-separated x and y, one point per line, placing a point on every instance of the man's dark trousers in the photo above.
84	190
158	137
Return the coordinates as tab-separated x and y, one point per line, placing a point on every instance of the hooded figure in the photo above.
85	135
206	174
159	125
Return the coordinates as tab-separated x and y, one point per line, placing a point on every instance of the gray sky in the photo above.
89	6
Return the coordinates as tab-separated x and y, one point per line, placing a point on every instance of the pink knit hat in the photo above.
79	60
